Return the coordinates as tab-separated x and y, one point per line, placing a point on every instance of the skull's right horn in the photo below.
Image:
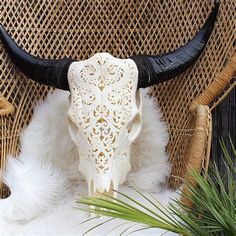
159	68
44	71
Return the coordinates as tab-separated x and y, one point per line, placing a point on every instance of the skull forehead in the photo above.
100	70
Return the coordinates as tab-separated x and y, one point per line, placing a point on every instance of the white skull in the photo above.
104	118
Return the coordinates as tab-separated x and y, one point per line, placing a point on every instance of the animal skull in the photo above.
105	111
104	117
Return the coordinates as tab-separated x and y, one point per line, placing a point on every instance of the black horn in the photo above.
45	71
159	68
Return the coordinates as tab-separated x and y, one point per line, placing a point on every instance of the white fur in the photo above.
148	157
34	186
44	179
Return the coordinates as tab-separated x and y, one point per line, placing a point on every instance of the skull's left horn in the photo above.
45	71
157	69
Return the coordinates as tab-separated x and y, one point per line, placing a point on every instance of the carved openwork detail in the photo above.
103	109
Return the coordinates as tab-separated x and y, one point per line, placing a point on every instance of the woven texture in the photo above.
78	29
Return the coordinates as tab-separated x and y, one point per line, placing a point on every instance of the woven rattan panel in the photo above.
57	28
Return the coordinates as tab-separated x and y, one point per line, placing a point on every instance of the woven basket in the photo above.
58	28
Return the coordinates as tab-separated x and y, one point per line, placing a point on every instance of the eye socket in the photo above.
73	130
71	123
72	127
69	98
134	126
138	99
76	134
129	127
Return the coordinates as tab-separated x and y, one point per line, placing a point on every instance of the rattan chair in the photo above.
58	28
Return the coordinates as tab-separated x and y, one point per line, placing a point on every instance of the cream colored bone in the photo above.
104	118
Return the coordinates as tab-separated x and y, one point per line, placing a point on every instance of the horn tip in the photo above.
216	5
217	2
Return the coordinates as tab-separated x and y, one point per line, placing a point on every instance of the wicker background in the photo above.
78	29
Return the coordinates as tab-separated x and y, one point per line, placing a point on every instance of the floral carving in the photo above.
103	103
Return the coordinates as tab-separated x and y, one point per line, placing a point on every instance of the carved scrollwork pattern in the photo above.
103	102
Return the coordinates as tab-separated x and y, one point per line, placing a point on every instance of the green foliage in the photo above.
214	200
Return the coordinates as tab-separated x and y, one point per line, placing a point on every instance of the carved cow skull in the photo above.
104	117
